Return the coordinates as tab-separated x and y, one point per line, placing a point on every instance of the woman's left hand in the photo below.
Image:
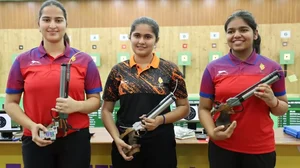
264	92
151	124
66	105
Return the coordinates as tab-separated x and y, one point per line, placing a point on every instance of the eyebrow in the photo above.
54	17
242	27
143	34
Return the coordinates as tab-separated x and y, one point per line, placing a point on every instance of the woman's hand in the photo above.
264	92
151	124
122	147
66	105
220	134
35	135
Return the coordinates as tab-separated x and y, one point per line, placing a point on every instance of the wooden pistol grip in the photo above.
127	131
223	119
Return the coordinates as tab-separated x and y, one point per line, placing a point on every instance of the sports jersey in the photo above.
140	90
37	75
227	77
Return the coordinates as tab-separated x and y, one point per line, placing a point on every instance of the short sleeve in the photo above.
15	82
92	80
111	90
279	86
207	89
178	81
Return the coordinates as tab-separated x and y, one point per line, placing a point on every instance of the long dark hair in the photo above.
249	19
149	21
60	6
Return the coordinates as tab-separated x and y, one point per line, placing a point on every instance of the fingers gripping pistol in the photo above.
225	109
60	122
133	134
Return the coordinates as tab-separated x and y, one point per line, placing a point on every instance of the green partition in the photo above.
2	99
96	119
275	120
292	116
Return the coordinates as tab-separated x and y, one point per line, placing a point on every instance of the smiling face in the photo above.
52	24
143	40
240	35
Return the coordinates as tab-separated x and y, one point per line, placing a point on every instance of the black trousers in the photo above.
156	152
222	158
71	151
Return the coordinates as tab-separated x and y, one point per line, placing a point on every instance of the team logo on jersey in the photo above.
262	66
73	58
35	62
160	82
222	72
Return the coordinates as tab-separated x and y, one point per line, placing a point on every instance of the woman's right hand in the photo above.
35	135
220	134
122	146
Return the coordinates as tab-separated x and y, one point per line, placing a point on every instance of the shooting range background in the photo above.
110	19
197	18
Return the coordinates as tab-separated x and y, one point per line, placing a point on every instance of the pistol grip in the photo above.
130	137
127	131
223	119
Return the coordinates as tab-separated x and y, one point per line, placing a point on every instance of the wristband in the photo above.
276	104
164	119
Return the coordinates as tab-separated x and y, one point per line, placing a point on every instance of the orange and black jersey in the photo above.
140	90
